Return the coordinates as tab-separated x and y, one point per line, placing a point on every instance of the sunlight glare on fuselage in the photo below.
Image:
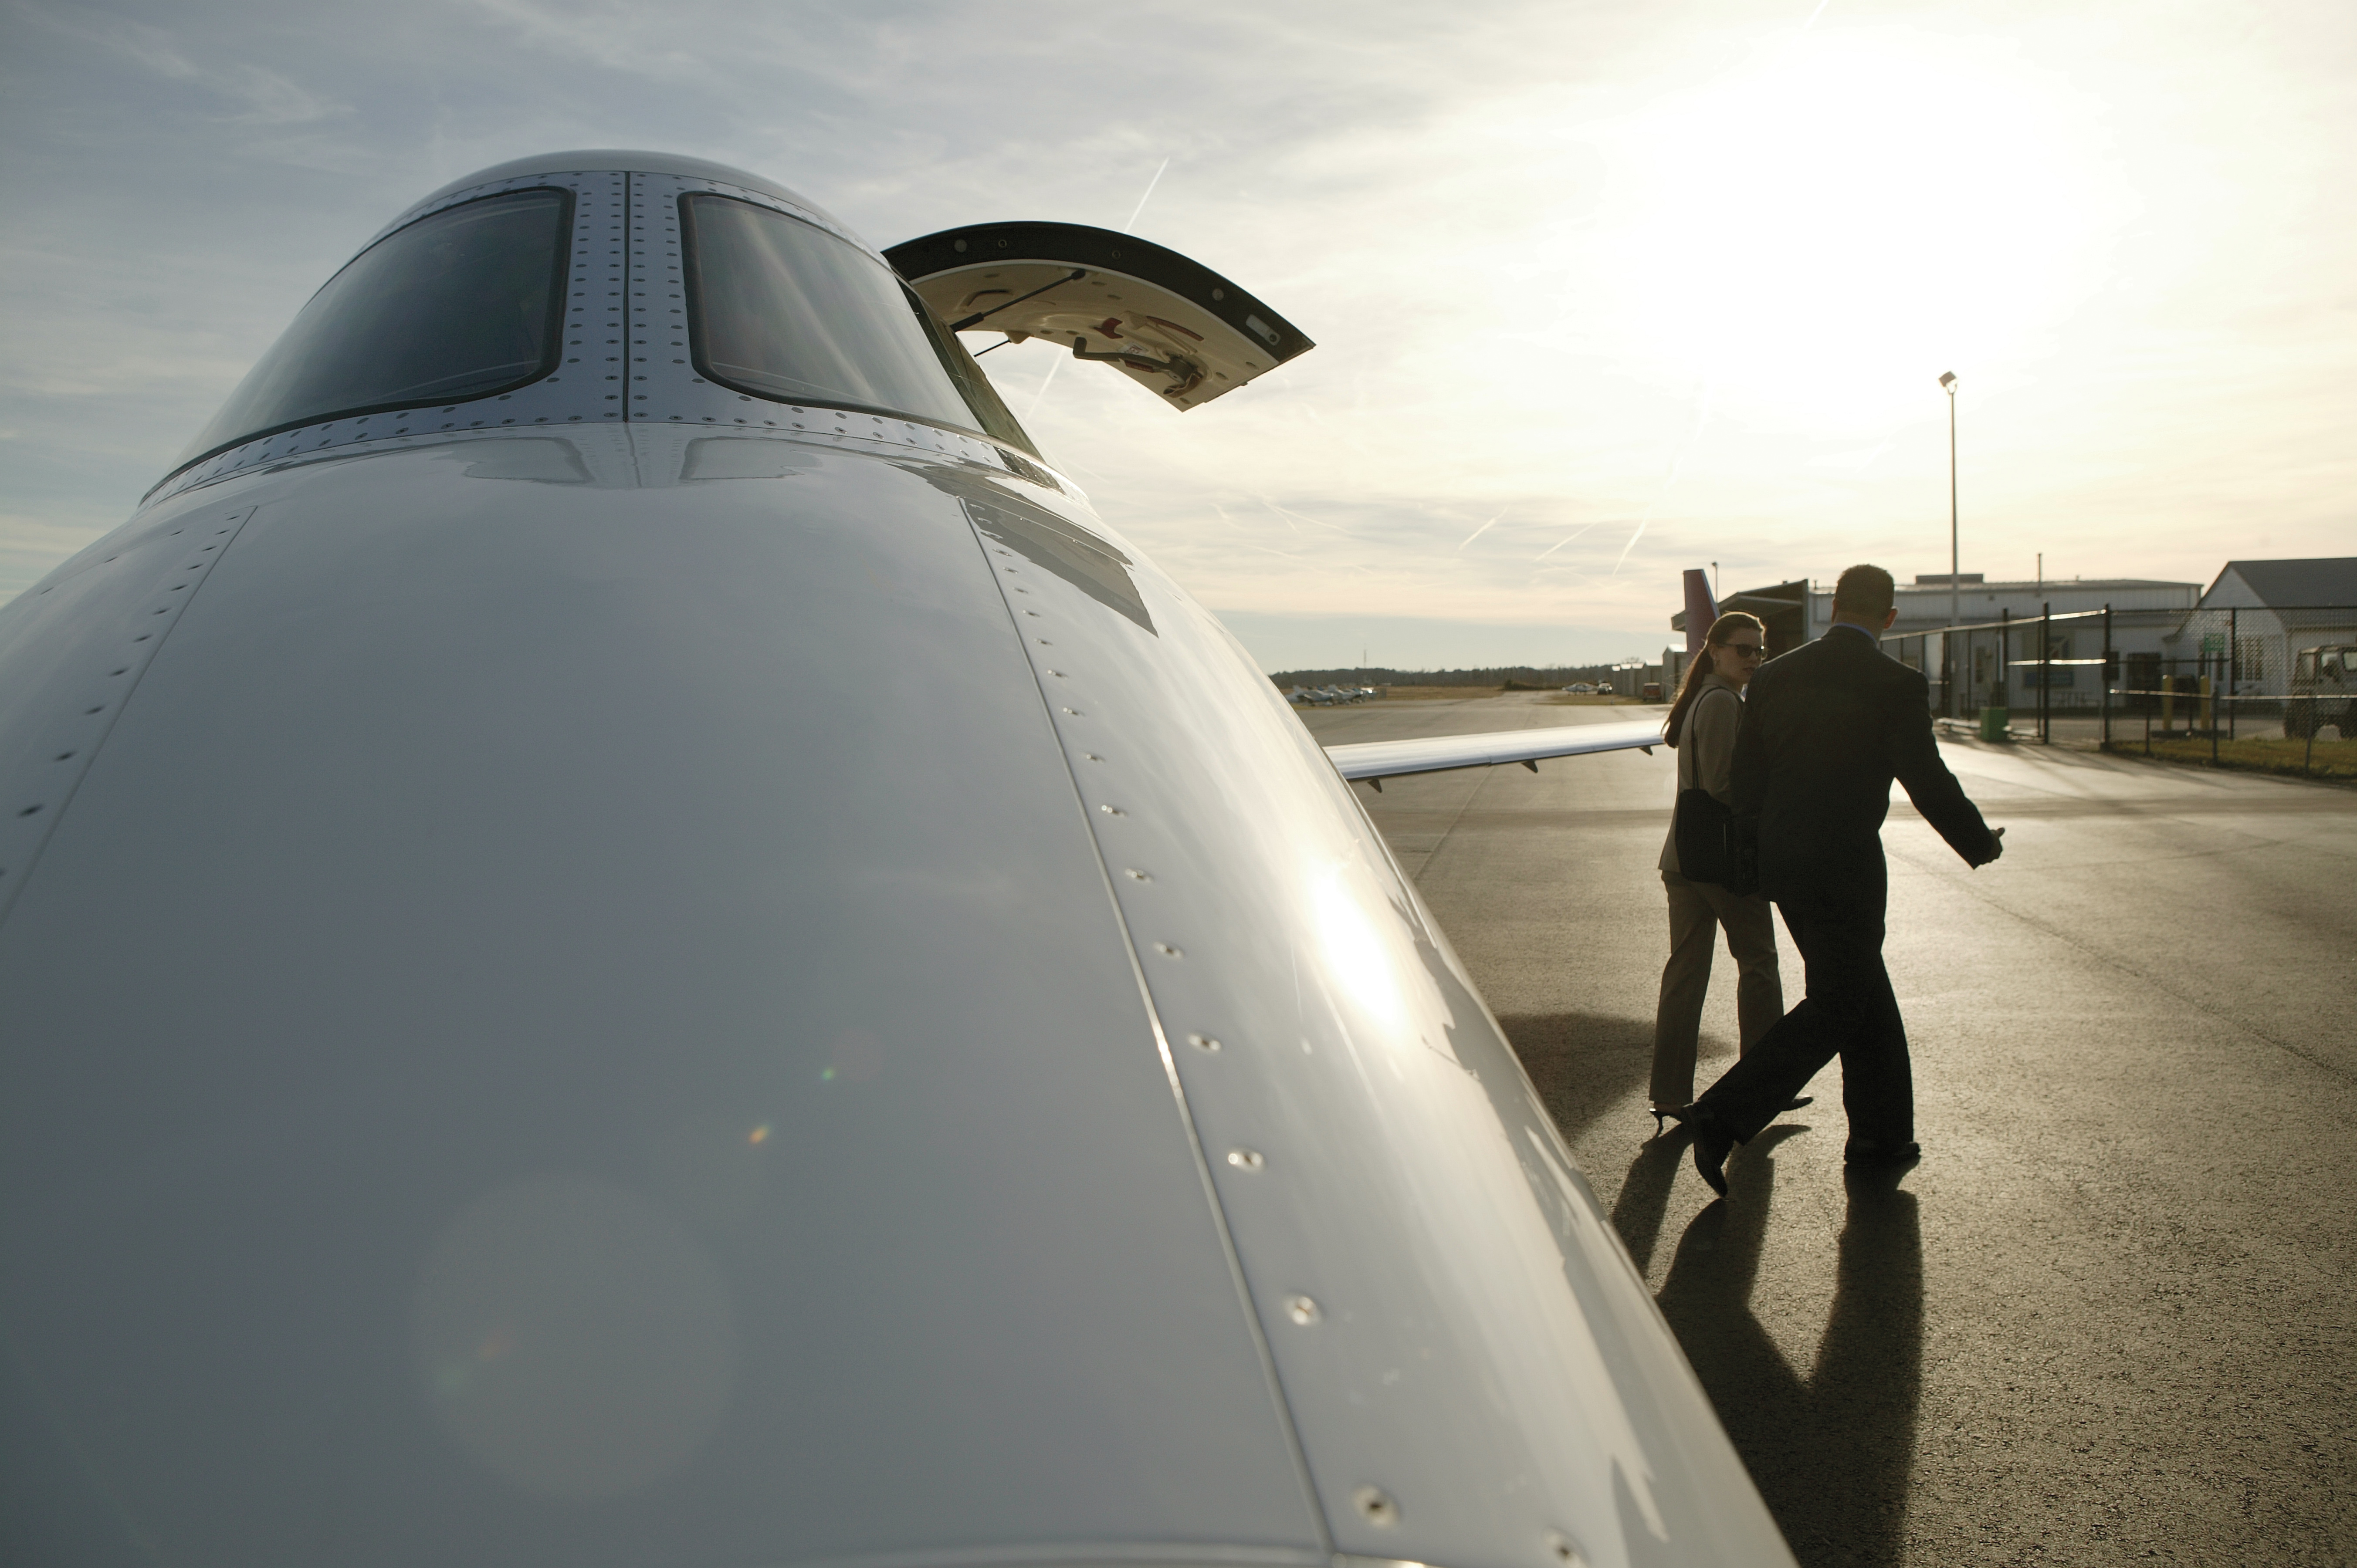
1815	236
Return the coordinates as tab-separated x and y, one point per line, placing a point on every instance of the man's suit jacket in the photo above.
1825	729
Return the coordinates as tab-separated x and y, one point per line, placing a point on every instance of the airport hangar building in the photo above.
2145	614
2263	611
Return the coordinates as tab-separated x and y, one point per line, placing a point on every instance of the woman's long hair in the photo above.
1699	666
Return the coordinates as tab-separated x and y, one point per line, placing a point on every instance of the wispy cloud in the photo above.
1852	461
654	44
263	96
271	99
1614	266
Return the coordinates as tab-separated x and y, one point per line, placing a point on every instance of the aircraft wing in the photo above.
1381	759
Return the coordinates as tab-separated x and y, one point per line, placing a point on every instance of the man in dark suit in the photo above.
1825	729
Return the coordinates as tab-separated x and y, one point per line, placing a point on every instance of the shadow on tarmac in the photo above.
1582	1062
1831	1452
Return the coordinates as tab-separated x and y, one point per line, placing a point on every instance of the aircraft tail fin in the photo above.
1701	608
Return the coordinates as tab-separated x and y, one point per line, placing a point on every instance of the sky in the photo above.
1600	291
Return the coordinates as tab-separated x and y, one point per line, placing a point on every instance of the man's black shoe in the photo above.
1713	1141
1871	1151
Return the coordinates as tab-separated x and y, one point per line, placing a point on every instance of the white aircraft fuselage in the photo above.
624	970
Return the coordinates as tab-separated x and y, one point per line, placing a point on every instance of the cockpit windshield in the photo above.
783	311
465	303
470	302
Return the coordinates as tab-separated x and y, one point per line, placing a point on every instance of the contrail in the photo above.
1049	379
1559	544
1166	164
1632	542
1643	522
1677	467
1480	530
1677	463
1053	366
1314	522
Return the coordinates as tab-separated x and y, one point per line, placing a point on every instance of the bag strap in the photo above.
1685	752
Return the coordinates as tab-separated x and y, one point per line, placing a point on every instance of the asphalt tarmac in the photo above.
2108	1318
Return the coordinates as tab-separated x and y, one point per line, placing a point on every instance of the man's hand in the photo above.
1996	845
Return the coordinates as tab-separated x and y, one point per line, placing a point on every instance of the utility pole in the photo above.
1956	562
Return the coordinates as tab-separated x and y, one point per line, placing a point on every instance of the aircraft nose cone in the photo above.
626	1011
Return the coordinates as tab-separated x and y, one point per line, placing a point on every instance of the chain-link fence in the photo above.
2268	687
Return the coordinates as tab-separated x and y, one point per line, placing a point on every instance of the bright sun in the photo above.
1818	235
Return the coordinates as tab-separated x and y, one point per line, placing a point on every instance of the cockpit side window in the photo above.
464	302
989	410
785	311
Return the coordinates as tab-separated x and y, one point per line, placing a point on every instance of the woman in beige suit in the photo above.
1701	728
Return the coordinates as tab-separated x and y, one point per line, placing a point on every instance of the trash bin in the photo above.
1993	722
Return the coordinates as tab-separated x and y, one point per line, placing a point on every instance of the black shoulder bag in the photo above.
1706	833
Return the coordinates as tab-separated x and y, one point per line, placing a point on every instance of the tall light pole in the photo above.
1955	567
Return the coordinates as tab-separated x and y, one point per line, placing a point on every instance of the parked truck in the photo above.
2323	691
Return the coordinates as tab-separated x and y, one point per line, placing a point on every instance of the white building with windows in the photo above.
2257	617
1996	665
2144	613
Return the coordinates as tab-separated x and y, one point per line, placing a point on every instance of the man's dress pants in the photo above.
1850	1010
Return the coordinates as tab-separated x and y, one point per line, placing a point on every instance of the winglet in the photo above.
1701	608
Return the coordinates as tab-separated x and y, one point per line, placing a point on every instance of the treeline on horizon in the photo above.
1513	676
